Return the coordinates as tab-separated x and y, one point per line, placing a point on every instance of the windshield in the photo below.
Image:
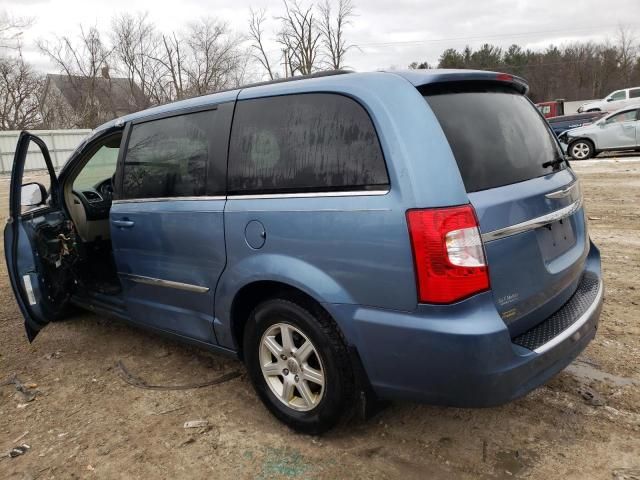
496	135
101	166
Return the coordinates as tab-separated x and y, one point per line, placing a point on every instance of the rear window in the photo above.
311	142
496	134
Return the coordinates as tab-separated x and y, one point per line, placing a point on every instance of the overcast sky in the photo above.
388	33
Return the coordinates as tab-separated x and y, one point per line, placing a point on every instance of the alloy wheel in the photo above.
292	367
580	150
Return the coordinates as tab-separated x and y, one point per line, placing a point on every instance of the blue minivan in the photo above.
349	236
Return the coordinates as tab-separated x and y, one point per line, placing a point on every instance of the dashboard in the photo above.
96	200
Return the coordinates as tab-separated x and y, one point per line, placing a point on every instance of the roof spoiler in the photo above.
438	78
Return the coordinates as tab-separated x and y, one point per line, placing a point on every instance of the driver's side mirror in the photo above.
610	99
32	195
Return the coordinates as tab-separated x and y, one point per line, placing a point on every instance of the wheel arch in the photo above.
277	272
252	294
588	139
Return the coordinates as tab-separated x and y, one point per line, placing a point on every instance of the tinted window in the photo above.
634	93
628	116
168	157
298	143
496	135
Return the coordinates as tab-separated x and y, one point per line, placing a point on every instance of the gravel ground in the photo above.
86	422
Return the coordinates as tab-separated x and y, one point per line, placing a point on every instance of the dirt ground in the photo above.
86	422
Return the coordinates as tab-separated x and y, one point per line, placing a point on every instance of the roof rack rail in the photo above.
325	73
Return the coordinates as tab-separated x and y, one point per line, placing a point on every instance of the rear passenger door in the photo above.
634	97
619	131
308	204
167	221
617	100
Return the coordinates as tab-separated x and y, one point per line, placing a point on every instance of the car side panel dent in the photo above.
276	268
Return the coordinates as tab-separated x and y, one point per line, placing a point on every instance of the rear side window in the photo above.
168	157
304	143
634	93
628	116
496	134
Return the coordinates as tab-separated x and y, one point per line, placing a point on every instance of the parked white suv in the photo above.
614	101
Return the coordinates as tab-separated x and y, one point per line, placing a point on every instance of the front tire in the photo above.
299	365
581	149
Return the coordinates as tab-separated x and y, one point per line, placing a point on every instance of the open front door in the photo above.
38	239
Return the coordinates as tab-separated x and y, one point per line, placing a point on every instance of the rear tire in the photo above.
299	365
581	149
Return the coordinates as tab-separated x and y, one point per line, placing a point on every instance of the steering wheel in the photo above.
105	188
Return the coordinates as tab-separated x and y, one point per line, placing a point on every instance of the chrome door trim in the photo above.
355	193
533	223
159	282
575	326
170	199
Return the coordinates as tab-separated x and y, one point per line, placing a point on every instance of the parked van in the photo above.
412	235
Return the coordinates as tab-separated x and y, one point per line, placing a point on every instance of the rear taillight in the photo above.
447	251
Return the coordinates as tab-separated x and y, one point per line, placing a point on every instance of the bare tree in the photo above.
135	46
20	85
86	57
19	88
11	29
83	62
241	73
172	59
256	33
628	51
204	59
213	57
332	28
300	37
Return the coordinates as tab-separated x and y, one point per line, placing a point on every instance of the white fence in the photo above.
59	142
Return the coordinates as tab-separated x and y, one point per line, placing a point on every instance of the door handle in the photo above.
124	223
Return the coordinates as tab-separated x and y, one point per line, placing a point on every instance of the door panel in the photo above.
617	135
38	278
616	105
166	223
169	256
618	132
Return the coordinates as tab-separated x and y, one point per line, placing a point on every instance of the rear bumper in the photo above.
463	355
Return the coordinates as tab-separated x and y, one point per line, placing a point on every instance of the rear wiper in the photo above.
555	163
